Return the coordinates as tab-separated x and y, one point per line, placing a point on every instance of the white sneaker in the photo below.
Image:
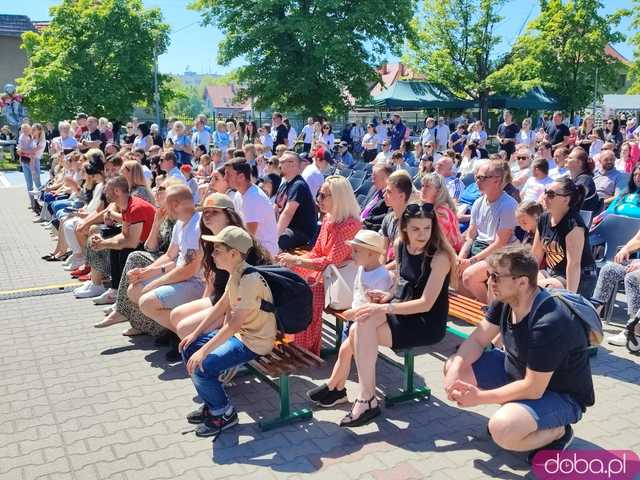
82	287
108	310
107	298
619	340
75	261
91	291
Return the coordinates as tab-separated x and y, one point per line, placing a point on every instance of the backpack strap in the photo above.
265	306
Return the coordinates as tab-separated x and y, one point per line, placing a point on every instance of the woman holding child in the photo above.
414	314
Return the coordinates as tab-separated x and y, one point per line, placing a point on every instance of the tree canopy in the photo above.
562	49
455	45
634	71
307	55
95	57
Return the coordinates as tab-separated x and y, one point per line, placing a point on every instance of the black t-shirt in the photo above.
282	136
508	131
305	219
94	136
554	240
591	200
557	133
550	341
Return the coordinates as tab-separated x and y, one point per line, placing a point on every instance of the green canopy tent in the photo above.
535	99
418	95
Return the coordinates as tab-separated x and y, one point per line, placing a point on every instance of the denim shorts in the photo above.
176	294
552	410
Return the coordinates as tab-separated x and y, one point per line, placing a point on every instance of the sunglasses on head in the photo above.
413	209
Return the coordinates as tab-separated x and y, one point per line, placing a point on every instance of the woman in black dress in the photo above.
414	315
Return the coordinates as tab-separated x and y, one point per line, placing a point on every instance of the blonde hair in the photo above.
136	179
344	203
179	192
42	137
439	184
221	125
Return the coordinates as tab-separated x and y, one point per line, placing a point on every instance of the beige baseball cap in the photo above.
217	200
233	237
368	239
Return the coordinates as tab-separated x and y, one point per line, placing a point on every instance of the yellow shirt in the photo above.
258	332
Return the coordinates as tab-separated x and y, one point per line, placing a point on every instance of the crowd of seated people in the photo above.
160	231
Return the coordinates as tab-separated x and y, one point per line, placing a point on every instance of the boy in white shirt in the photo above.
372	282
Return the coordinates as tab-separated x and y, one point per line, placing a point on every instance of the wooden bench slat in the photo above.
316	361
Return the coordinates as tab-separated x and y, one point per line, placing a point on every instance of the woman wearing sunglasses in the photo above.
415	314
562	240
340	223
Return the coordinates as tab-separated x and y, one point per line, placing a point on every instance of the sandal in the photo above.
51	258
365	417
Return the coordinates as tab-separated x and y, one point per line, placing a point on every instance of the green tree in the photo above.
185	101
634	71
563	50
95	57
307	55
454	44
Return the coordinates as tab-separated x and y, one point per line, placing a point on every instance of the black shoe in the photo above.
173	355
560	444
316	394
163	339
333	398
364	418
213	425
199	415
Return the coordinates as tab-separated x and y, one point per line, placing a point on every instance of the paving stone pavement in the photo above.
79	403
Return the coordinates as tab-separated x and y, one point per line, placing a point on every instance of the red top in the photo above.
139	210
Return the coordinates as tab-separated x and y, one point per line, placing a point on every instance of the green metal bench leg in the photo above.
327	352
286	415
409	391
457	333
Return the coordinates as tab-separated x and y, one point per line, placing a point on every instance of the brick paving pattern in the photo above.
80	403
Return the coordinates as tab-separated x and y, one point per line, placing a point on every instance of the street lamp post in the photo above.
156	94
595	93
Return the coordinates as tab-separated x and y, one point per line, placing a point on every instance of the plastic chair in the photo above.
355	182
587	217
364	188
344	172
613	232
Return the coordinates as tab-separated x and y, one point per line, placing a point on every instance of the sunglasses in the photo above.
494	277
269	162
482	178
325	128
551	194
522	158
322	196
413	210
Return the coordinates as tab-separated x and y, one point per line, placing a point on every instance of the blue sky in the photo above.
196	47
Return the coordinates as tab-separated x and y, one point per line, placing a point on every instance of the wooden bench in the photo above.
285	358
466	309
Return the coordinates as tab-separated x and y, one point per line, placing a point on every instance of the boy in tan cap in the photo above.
371	283
246	333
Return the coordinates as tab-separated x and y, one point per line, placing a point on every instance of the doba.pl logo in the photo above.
586	465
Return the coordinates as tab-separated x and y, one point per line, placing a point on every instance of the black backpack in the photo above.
292	297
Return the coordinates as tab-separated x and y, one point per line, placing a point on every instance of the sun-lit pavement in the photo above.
80	403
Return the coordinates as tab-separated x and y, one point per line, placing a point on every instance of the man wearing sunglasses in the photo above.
491	227
542	380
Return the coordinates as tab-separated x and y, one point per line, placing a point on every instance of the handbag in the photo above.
338	285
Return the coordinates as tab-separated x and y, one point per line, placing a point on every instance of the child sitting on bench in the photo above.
372	280
246	333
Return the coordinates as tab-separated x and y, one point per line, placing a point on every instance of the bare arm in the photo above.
286	216
129	238
574	244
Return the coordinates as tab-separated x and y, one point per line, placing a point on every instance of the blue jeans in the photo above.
58	205
31	172
230	354
551	410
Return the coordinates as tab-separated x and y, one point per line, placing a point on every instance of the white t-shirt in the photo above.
308	133
314	178
187	237
383	157
254	207
533	188
176	173
559	172
369	138
201	138
291	137
377	279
